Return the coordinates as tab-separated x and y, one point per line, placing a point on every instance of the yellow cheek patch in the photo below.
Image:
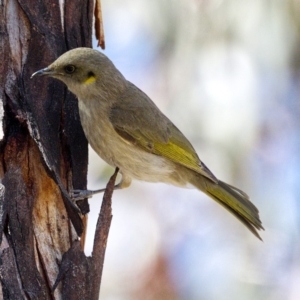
90	79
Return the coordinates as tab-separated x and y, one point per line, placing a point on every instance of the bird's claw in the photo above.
80	194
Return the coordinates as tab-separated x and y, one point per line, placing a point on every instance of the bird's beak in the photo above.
46	71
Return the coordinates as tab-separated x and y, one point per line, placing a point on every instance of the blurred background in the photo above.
226	72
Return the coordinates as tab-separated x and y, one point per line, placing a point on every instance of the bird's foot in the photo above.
82	194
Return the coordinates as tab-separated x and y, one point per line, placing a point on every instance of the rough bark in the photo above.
43	153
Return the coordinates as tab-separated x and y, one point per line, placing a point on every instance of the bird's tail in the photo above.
234	200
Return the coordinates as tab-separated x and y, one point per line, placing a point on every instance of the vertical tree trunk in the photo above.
44	151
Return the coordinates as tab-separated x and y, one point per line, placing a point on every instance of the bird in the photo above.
128	131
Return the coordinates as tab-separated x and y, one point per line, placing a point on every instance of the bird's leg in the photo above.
82	194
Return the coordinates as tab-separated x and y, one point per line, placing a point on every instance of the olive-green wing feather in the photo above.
138	120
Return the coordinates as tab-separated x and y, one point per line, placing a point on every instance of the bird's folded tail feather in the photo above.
234	200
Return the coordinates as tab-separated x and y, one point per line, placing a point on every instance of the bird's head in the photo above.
86	72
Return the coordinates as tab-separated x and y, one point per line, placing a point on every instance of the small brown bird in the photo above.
128	131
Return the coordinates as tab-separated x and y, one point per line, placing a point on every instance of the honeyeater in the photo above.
128	131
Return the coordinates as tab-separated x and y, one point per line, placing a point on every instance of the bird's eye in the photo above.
69	69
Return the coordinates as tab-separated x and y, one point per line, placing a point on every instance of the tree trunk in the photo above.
43	153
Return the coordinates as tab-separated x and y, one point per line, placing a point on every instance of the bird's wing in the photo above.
137	119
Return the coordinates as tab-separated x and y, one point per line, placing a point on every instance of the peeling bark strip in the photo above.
99	30
44	151
101	235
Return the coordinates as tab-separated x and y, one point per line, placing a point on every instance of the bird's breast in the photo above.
97	128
